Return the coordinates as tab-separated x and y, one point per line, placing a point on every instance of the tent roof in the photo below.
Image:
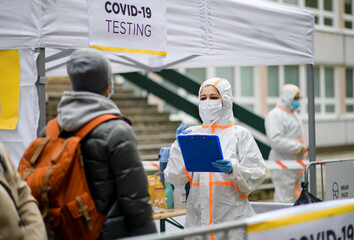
206	33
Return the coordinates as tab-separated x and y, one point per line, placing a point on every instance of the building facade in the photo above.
257	88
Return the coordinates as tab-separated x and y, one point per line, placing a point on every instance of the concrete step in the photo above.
156	138
148	149
143	130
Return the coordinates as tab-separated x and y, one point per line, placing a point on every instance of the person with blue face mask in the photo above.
285	134
217	197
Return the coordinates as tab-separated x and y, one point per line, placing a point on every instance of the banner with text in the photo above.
128	26
332	220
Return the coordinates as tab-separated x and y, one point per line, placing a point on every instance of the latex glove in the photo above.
181	130
223	165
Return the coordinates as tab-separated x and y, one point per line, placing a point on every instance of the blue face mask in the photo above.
295	105
112	91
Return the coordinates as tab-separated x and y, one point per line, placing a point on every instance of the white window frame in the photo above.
348	17
322	100
238	98
347	99
320	13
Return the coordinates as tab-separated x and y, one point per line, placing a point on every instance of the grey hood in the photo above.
77	108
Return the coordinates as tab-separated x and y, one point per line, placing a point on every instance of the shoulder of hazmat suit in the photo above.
285	134
219	197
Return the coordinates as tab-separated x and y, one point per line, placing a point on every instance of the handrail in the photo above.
192	86
198	231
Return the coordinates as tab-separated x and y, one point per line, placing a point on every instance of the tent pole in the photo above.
311	124
40	84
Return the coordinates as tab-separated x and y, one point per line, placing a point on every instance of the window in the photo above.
348	14
198	73
294	2
349	90
273	81
291	75
279	76
245	87
324	10
246	81
228	73
325	90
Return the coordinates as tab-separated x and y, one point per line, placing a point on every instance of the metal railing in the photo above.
204	231
310	164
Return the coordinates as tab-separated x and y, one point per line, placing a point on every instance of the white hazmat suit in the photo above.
285	134
219	197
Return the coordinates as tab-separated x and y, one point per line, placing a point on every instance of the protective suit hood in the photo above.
224	88
287	95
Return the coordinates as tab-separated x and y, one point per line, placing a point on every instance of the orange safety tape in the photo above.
243	196
214	126
211	203
189	178
299	140
297	190
155	165
280	164
299	173
238	189
301	163
221	183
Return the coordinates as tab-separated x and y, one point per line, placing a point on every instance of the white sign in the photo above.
128	26
333	220
339	180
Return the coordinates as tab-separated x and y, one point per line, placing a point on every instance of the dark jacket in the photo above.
114	171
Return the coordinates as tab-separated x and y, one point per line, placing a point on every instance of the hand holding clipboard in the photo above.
199	151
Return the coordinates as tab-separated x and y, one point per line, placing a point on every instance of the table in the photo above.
166	216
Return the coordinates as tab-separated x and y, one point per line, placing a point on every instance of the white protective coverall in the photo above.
219	197
285	134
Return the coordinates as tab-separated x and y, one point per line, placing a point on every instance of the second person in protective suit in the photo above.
285	134
219	197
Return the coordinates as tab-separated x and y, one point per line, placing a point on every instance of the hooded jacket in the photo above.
114	171
218	197
20	217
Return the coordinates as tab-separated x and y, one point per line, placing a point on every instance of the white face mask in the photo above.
209	110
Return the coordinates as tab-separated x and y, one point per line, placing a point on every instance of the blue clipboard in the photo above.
199	151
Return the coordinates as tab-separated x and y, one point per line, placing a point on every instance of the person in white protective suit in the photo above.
217	197
285	134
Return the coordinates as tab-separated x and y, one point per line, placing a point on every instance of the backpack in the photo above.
53	168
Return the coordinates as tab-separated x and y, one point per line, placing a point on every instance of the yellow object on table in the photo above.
157	192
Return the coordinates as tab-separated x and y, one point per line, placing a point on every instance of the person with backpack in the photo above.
20	217
113	167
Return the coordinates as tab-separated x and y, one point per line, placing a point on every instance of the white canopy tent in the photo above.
199	34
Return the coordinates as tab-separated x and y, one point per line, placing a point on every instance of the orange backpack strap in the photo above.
88	127
52	129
